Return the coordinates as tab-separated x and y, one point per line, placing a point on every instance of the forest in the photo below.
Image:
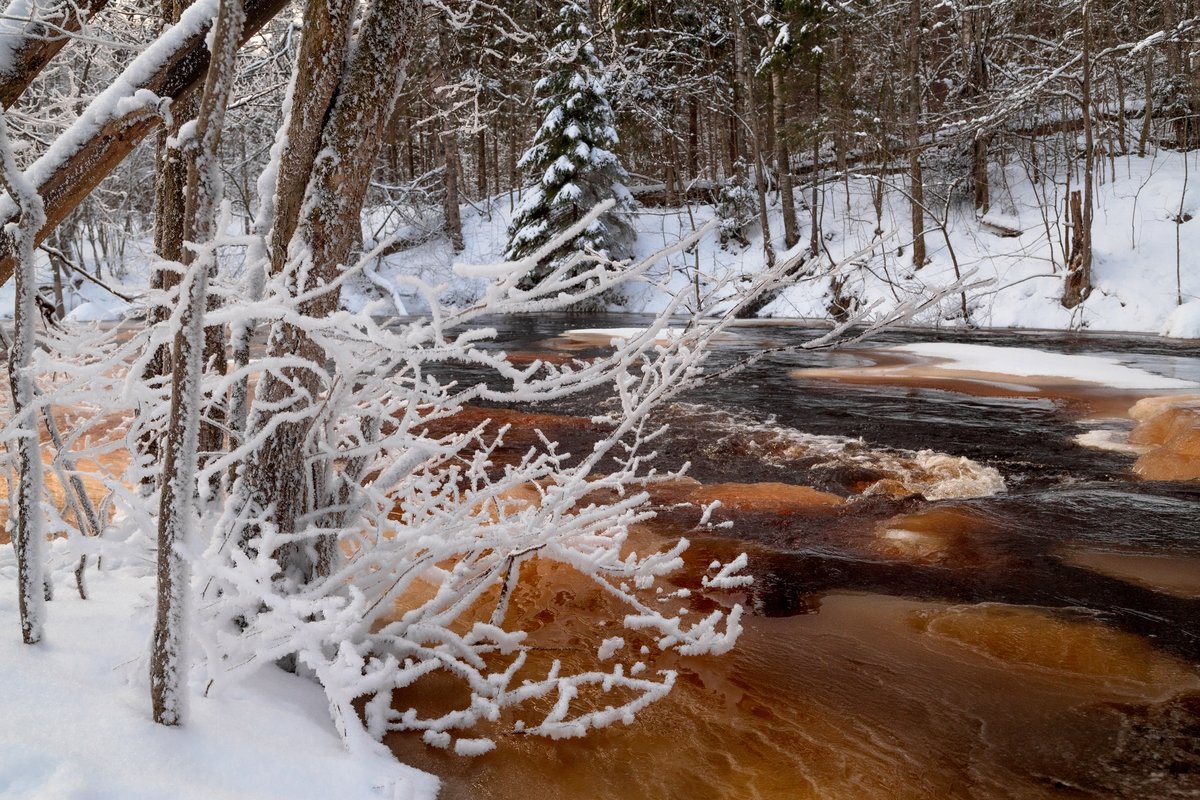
609	398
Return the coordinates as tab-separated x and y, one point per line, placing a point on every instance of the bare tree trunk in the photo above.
275	475
671	167
169	224
60	308
1148	111
481	182
1077	276
28	536
318	69
449	152
782	166
917	180
693	145
750	116
450	183
168	665
814	210
1079	269
975	27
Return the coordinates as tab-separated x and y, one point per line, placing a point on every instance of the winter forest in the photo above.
600	399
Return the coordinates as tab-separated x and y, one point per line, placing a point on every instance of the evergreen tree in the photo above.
572	162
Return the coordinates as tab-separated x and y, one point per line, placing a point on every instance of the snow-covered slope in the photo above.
1135	261
1138	200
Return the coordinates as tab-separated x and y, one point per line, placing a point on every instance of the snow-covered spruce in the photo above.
572	164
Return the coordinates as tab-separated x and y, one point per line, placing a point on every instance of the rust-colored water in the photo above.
1175	574
869	696
872	697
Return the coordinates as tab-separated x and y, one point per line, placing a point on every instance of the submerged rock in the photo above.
1170	428
1044	640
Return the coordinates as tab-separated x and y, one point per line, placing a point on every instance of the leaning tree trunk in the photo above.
108	131
27	45
168	666
28	536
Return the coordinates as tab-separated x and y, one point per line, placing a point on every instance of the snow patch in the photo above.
1112	441
473	747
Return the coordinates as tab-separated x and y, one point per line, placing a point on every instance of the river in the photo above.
1033	632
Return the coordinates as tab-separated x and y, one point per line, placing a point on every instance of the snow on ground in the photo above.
1136	259
1138	200
1028	362
75	726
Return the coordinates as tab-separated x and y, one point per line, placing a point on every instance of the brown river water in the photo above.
966	586
1025	624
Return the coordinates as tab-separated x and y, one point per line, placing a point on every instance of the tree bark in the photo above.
917	181
975	26
274	477
783	168
68	177
1078	282
169	227
1079	269
28	536
448	145
28	45
168	665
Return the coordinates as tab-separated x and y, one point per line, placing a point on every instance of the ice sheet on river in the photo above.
1030	362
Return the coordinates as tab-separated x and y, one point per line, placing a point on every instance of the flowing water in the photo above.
954	597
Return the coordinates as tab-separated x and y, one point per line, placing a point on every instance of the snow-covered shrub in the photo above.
422	534
737	208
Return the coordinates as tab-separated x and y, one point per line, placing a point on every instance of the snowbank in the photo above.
74	726
1183	322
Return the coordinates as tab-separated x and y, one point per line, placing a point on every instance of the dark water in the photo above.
1060	496
1059	493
